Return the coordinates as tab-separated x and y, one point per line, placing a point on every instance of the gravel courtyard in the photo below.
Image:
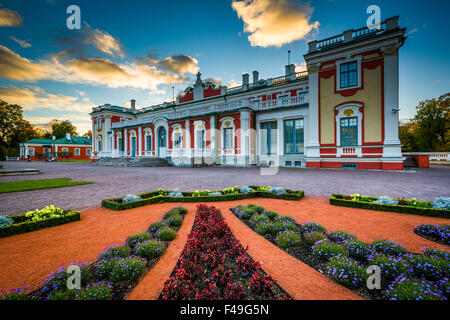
423	184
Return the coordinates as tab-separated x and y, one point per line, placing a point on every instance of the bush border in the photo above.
154	197
28	226
337	200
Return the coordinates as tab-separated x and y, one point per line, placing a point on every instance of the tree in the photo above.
88	135
408	136
432	118
14	129
59	129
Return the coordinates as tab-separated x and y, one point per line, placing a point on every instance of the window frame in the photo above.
268	138
348	136
99	123
356	59
75	152
294	139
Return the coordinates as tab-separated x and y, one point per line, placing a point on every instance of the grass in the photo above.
27	185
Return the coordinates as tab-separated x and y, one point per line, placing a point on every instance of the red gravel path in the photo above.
27	259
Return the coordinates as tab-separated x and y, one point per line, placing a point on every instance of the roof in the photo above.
73	140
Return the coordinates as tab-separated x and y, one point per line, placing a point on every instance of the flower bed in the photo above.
34	220
228	194
343	258
117	270
434	232
214	265
410	206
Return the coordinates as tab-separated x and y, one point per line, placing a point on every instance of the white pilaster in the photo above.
312	144
125	142
280	137
140	141
245	136
188	138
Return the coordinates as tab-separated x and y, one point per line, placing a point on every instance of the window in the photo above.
77	151
120	143
31	151
47	150
348	74
99	145
88	151
268	138
293	136
349	131
65	150
200	144
99	123
148	142
177	140
228	138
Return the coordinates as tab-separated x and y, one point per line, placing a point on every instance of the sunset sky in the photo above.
140	49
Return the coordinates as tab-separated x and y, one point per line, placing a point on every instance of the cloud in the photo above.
15	67
300	67
215	81
274	22
104	42
233	83
10	18
412	31
65	67
22	43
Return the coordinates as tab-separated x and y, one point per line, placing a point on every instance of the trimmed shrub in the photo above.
313	227
340	236
5	221
287	219
284	226
271	214
358	249
388	247
166	234
14	294
390	267
175	220
414	289
325	250
288	239
150	249
157	225
436	253
346	272
386	200
312	237
115	251
57	281
129	268
246	213
441	203
131	198
428	268
258	218
137	238
96	291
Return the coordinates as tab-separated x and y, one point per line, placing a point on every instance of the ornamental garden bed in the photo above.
438	208
344	259
214	265
34	220
228	194
434	232
117	270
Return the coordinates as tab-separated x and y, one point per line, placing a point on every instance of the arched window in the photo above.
148	139
119	141
228	132
99	144
177	136
348	125
200	134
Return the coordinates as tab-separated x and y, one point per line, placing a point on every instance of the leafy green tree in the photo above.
88	135
433	125
59	129
408	136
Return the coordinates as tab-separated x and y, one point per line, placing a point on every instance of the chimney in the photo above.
53	138
255	76
245	79
133	104
290	72
68	136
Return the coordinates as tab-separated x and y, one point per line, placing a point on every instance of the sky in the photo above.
140	49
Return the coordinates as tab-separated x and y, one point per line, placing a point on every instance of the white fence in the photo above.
443	156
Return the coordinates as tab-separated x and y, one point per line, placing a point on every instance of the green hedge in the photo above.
154	197
337	200
27	226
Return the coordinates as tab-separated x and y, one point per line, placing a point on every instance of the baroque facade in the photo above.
340	113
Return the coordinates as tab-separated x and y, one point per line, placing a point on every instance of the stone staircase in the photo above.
131	162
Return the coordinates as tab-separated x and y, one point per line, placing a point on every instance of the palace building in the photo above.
343	112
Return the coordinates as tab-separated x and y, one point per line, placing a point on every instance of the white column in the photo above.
125	142
245	137
392	146
140	141
312	144
187	136
212	129
280	137
93	137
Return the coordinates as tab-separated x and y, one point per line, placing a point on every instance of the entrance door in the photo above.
162	142
133	146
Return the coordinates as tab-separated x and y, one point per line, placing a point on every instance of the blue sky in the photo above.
139	49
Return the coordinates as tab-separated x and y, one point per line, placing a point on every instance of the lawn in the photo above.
27	185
